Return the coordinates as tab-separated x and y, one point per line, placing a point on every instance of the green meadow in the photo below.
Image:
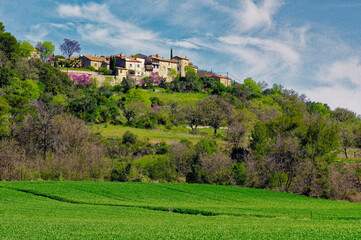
106	210
169	136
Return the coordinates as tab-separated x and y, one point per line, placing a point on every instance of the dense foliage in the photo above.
275	138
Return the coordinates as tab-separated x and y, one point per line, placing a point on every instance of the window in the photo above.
138	65
177	68
168	69
130	65
95	64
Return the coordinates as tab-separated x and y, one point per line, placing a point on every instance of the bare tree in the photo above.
193	114
45	131
69	47
217	111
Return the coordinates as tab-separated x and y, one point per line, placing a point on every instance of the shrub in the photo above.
153	168
129	138
91	68
161	148
102	69
217	169
120	173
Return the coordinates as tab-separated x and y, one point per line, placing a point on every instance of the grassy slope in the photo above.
141	211
157	135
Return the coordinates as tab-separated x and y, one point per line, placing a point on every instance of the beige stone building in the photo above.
121	72
135	66
181	64
161	66
94	61
222	79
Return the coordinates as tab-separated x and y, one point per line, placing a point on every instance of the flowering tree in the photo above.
153	80
82	80
69	47
46	49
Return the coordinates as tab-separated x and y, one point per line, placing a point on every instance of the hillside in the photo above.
91	210
184	128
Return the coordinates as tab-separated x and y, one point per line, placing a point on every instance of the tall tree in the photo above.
112	64
217	111
69	47
8	44
171	53
46	49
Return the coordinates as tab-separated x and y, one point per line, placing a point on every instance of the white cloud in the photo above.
184	44
96	24
287	53
60	26
37	33
255	16
67	10
340	85
344	74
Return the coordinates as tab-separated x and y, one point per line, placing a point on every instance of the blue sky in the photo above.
311	46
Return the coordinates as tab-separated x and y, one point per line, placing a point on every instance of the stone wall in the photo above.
113	80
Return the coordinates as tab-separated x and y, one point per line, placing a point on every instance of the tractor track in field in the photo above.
161	209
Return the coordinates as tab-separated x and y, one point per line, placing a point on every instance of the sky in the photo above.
310	46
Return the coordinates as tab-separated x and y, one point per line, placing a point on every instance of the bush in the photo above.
120	173
102	69
91	68
153	168
129	138
161	148
217	169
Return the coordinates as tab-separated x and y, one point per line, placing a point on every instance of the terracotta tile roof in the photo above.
121	68
161	59
215	75
94	58
128	59
182	58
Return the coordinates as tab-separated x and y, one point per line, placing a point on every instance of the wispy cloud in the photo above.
37	33
340	84
254	16
96	24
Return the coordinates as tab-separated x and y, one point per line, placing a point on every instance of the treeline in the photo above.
275	138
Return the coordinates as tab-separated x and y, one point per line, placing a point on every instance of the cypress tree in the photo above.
112	64
171	53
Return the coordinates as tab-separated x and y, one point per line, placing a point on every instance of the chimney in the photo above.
121	54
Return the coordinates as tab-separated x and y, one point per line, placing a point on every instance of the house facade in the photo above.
181	64
159	65
222	79
135	66
94	61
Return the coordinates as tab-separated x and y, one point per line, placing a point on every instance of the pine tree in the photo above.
171	53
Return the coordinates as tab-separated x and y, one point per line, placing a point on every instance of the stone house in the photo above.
222	79
135	66
94	61
181	64
121	72
161	66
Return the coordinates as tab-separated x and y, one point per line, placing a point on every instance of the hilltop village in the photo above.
139	66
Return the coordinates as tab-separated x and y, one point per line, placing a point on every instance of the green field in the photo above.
181	98
105	210
169	136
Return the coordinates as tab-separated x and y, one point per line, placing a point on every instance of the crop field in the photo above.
105	210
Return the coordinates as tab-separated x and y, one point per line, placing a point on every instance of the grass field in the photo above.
180	98
171	136
104	210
